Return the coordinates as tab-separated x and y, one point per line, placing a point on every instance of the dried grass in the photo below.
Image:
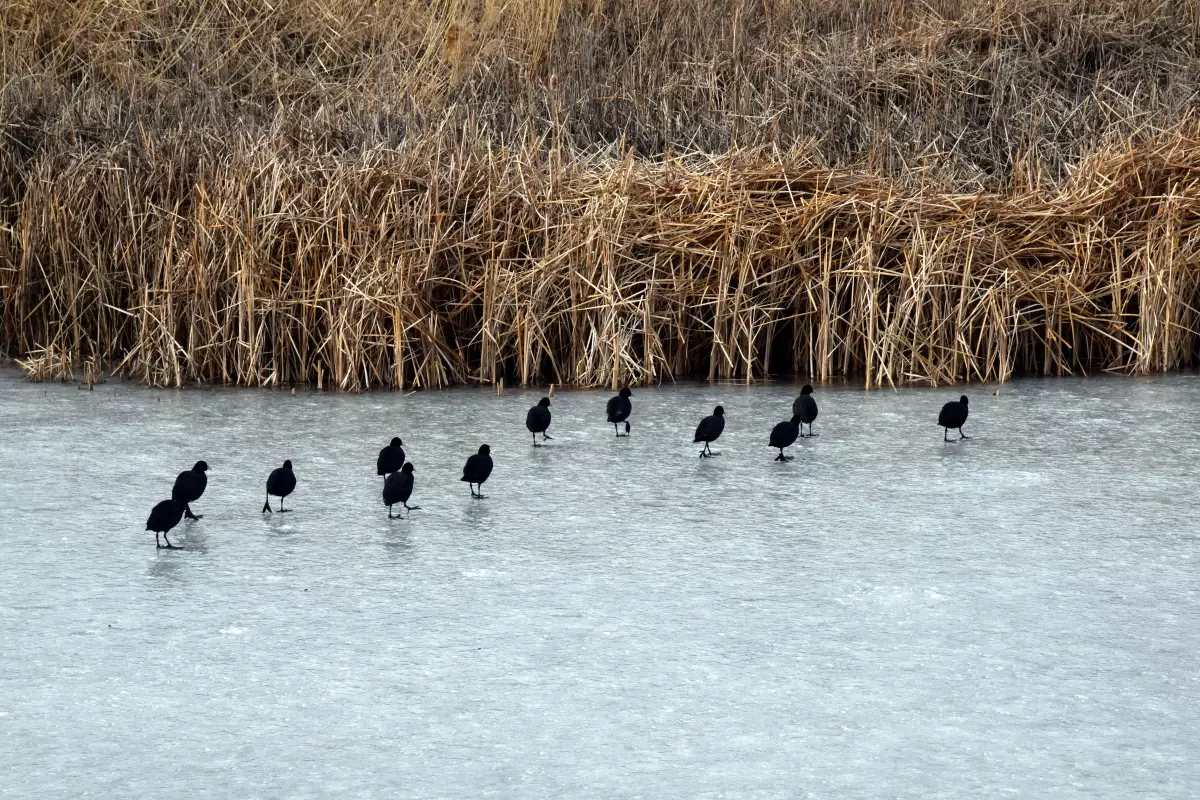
414	195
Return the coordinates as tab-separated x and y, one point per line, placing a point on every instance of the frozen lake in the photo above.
887	616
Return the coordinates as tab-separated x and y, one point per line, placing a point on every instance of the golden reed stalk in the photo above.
369	195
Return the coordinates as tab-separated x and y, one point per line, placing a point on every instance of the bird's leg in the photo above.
946	436
407	507
471	486
626	428
157	543
187	512
616	430
282	510
780	456
390	513
546	436
962	435
168	541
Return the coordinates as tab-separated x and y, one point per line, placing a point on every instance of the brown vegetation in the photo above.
418	194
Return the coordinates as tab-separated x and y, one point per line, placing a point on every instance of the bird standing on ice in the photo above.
189	485
805	407
280	483
618	410
784	435
954	415
398	488
163	517
477	469
709	430
391	458
538	420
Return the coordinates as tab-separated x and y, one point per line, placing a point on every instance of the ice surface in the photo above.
887	616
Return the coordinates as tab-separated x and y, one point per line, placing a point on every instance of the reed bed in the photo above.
360	196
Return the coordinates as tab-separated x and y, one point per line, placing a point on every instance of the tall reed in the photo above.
419	194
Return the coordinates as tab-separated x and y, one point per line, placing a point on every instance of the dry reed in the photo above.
364	195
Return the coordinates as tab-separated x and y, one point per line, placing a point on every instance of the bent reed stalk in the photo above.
285	218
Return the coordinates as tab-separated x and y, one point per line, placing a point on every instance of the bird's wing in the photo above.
610	408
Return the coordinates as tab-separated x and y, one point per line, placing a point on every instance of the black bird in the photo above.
391	458
397	488
954	415
784	435
188	488
538	420
619	409
477	470
709	430
281	483
805	408
166	515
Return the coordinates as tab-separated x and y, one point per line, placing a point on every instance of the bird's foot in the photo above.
714	453
545	437
536	444
196	517
479	497
962	436
285	511
412	508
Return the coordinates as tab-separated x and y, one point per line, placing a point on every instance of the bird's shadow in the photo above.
168	570
397	542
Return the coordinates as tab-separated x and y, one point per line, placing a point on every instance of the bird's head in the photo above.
807	389
396	441
484	449
288	465
963	399
544	402
719	411
626	393
408	467
201	466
